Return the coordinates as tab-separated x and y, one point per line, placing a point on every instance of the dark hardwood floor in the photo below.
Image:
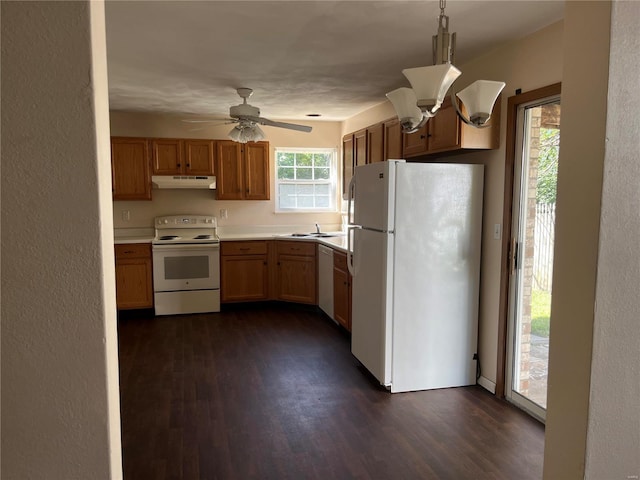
273	392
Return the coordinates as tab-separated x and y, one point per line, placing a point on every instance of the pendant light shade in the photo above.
431	84
479	98
404	101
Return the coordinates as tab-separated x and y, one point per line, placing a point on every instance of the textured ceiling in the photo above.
335	58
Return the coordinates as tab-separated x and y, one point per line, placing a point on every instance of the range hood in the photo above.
184	181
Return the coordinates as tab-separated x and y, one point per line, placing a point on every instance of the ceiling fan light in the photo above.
405	103
430	84
479	98
246	133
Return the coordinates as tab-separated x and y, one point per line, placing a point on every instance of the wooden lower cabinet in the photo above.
134	276
296	272
244	271
341	290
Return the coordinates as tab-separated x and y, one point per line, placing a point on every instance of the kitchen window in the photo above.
306	179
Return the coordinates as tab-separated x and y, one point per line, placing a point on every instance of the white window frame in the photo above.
332	182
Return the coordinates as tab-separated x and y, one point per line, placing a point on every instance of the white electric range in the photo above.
186	265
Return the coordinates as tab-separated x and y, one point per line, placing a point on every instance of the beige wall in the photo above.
60	407
614	405
534	61
582	148
168	202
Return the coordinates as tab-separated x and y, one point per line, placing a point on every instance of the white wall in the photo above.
613	438
532	62
60	408
240	212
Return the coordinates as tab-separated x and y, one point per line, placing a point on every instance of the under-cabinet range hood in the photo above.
184	181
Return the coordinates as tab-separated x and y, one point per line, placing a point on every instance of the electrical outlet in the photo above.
126	215
224	213
497	230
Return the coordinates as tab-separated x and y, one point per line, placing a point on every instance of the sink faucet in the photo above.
317	228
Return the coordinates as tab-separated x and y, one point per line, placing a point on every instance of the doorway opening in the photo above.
536	141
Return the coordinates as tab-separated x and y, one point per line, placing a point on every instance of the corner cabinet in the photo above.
242	170
296	272
134	276
446	132
130	168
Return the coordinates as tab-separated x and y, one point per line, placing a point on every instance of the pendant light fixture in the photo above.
416	105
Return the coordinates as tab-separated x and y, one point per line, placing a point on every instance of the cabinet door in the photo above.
229	171
297	278
375	143
341	306
256	173
360	148
392	140
244	278
134	287
167	155
415	143
444	129
130	178
199	155
347	163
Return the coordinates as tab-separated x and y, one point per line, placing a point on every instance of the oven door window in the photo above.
185	268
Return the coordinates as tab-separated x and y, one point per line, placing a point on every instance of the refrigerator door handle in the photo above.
350	197
350	267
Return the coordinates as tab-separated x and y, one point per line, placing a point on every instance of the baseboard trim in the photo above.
487	384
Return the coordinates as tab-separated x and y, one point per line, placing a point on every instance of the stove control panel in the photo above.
186	221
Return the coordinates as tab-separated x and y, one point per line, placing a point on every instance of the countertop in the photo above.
142	235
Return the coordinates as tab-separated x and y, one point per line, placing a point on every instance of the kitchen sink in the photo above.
315	235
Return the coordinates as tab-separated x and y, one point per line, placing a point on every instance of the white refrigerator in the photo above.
414	241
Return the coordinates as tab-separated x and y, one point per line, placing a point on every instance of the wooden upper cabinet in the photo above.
375	144
229	180
242	170
446	132
347	163
392	140
360	147
199	157
176	156
256	161
168	156
130	169
414	144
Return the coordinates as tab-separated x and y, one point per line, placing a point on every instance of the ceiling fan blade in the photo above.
220	121
271	123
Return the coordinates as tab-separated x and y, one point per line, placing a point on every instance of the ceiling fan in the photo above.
248	118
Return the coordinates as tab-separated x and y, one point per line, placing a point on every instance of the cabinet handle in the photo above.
244	249
178	165
129	251
422	137
188	165
264	263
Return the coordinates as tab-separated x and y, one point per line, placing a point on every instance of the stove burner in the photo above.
202	237
169	237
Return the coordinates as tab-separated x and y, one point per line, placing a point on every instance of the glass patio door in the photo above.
532	242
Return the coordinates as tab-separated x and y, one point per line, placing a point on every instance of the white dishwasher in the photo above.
325	279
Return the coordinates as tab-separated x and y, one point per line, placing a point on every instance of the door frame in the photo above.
513	104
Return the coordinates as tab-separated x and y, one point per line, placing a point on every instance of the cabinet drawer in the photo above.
243	248
340	260
133	250
297	248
